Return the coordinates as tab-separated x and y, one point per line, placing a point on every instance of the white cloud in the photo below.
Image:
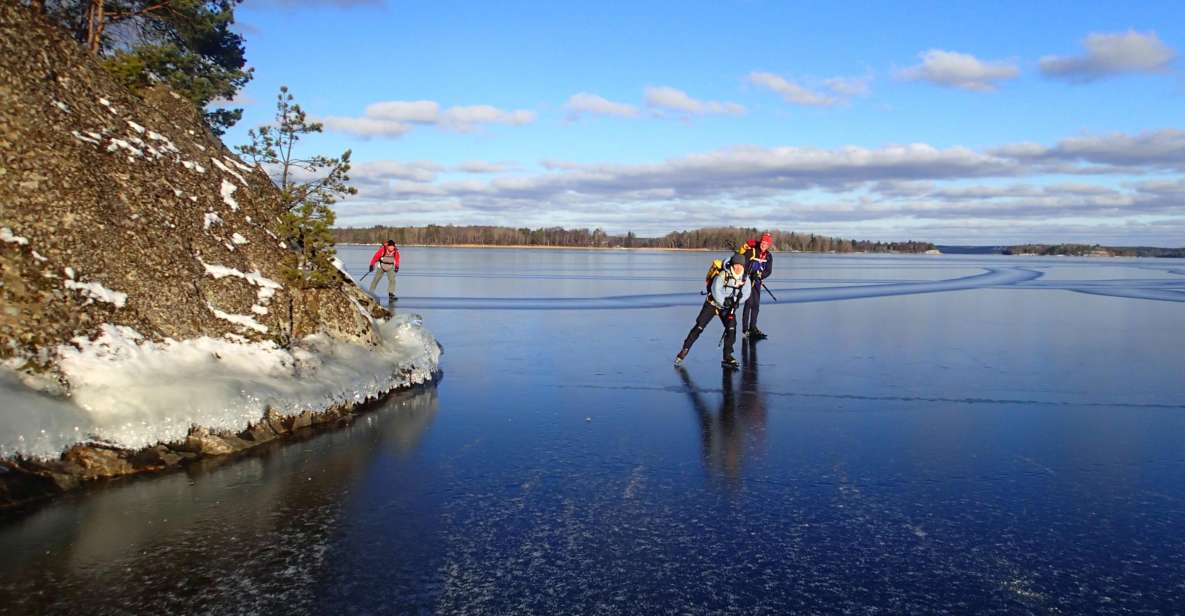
395	118
792	92
590	104
379	170
1111	54
420	112
482	166
468	118
850	86
365	127
666	98
959	70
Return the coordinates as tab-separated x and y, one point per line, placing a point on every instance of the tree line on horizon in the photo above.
710	238
1092	250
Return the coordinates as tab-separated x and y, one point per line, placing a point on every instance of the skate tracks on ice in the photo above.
1162	288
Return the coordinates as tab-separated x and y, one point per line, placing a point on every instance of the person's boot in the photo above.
756	334
391	297
679	358
730	362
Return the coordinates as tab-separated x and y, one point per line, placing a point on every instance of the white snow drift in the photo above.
133	393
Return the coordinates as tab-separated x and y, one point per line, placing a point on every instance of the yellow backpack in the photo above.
716	267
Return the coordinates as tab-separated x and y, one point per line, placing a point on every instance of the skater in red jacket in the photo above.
387	257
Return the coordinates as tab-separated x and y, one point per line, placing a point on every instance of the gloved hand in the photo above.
396	269
372	268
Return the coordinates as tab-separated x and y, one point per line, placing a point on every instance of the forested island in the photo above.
711	238
1092	250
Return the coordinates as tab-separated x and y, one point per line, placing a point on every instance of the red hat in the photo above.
765	237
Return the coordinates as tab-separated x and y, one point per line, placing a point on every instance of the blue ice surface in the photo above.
917	435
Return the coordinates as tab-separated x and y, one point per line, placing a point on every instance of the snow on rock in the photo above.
192	166
238	319
136	127
62	106
225	169
91	140
134	393
98	292
228	191
6	235
116	144
238	164
238	239
267	286
341	267
211	219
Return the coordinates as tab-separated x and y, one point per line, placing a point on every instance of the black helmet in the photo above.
737	259
390	242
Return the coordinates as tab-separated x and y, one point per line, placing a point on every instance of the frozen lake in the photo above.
918	434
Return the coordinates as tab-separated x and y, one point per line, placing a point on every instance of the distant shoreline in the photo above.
653	248
803	252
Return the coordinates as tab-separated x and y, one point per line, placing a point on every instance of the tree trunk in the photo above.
95	22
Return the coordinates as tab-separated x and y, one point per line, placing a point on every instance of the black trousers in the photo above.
752	307
705	316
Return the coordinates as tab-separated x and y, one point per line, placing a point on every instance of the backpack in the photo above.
716	267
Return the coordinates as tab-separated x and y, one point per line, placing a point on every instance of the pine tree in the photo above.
185	44
308	189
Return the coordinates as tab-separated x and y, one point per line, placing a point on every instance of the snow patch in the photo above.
62	106
136	127
238	239
69	273
37	255
99	292
134	393
192	166
267	286
116	144
211	219
260	310
164	141
6	235
228	191
238	319
91	140
341	267
238	164
225	169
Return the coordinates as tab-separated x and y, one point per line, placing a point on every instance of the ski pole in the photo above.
369	272
771	293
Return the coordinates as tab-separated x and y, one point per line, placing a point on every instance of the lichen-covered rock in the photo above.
128	211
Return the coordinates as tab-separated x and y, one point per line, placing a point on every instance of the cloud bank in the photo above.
1125	181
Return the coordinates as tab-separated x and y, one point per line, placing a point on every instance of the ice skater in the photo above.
387	257
729	289
760	266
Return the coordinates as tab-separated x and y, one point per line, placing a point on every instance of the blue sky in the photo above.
949	122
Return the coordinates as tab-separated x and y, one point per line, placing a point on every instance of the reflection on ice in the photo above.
735	428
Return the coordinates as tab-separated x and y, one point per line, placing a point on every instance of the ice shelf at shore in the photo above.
133	393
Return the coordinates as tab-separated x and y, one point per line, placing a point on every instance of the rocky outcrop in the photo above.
127	211
125	214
